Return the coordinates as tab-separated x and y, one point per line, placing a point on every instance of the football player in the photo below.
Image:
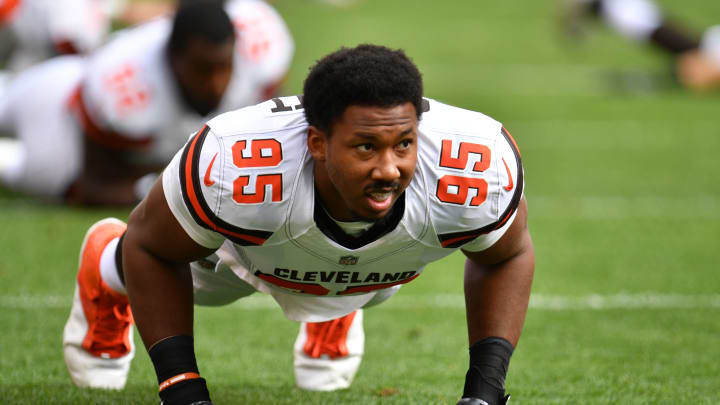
696	59
328	202
91	130
36	30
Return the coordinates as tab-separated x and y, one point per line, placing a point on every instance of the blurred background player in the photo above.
90	131
35	30
696	58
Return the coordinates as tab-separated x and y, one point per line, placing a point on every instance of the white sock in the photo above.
635	19
12	161
710	44
108	269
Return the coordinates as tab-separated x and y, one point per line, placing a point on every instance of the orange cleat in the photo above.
328	354
98	337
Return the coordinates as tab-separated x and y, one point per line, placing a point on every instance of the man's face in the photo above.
367	162
203	71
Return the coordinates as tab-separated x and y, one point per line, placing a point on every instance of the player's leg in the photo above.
215	284
633	19
98	339
327	355
699	69
636	20
697	60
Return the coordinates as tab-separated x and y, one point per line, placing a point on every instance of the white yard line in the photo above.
449	301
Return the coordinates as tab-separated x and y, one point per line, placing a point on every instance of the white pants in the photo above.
216	285
34	109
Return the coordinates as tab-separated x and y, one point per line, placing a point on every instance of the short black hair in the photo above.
367	75
203	19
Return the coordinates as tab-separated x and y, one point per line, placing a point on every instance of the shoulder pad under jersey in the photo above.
237	173
473	172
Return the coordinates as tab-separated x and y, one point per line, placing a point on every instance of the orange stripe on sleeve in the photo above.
195	202
93	131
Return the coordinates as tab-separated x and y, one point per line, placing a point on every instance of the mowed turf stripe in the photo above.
448	301
703	206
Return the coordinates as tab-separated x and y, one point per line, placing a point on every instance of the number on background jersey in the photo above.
263	153
455	189
126	90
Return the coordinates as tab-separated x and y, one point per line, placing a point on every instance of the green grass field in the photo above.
621	167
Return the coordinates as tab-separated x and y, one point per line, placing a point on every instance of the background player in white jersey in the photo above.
696	58
90	129
35	30
329	202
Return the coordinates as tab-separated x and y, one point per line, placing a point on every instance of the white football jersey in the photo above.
130	99
45	28
245	182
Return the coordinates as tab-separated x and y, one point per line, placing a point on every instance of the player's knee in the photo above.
382	296
216	298
216	287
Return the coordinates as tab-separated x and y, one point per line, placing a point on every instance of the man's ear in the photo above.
317	143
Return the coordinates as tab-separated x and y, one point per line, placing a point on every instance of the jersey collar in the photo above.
381	227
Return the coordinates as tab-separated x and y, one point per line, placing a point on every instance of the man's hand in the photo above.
477	401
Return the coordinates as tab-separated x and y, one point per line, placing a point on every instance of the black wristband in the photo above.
489	360
185	393
172	356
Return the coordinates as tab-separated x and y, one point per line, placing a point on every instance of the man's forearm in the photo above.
497	296
496	300
161	295
119	192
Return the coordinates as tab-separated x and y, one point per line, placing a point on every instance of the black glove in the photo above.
476	401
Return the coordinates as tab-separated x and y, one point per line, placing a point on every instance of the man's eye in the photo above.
405	143
366	147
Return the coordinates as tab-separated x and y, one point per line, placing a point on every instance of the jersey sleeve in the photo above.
507	185
474	176
205	192
263	40
123	91
175	186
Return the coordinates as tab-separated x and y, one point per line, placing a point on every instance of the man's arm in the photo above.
497	283
107	177
156	256
497	291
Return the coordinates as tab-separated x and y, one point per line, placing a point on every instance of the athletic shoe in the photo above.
328	354
98	337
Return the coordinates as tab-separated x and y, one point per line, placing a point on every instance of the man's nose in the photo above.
386	168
